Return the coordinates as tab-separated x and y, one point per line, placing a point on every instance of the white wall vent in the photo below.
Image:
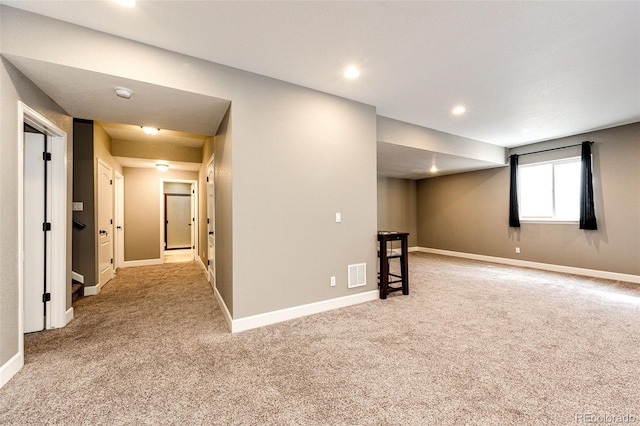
357	275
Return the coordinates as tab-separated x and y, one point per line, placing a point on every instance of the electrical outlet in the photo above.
518	250
333	281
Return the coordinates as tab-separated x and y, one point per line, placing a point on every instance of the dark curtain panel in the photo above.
514	211
587	210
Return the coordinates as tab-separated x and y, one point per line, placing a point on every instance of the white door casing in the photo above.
118	259
105	223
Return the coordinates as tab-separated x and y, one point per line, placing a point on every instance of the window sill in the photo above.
551	221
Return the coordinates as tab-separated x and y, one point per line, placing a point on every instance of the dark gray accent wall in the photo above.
84	240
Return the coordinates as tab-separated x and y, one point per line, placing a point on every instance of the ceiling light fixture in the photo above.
351	72
163	167
433	169
150	130
458	110
123	92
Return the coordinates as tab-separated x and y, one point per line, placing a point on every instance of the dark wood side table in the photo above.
384	253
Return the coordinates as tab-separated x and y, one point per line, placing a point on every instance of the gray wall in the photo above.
296	157
224	209
90	144
14	87
397	207
469	212
155	151
142	198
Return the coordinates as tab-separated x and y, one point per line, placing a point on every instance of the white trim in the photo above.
59	209
416	248
143	262
76	276
92	290
537	265
223	307
204	268
194	200
118	207
10	368
69	315
281	315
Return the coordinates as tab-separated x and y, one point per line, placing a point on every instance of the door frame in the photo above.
194	214
58	316
211	277
118	261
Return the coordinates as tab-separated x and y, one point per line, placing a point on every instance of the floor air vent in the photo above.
357	275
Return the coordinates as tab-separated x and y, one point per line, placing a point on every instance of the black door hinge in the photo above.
46	226
110	181
208	262
207	178
46	156
112	261
111	221
46	297
207	220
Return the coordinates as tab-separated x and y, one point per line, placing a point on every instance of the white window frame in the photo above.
554	218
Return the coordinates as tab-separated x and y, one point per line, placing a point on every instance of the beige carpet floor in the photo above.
473	344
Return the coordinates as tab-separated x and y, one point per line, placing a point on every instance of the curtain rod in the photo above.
552	149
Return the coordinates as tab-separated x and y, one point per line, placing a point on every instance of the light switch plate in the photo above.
78	206
338	218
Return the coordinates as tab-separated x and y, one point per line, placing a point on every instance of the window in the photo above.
550	191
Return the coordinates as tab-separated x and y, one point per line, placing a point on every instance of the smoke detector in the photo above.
123	92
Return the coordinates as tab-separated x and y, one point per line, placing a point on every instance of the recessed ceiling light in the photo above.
351	72
433	169
163	167
150	130
458	110
127	3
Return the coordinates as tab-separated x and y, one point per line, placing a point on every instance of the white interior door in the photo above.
37	189
105	223
211	225
178	221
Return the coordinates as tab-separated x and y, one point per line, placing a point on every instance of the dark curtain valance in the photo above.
514	211
587	209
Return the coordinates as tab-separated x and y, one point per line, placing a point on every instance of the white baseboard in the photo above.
92	290
144	262
223	306
204	268
78	277
68	316
268	318
10	368
537	265
410	249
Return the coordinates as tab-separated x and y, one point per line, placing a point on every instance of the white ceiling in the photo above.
526	71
